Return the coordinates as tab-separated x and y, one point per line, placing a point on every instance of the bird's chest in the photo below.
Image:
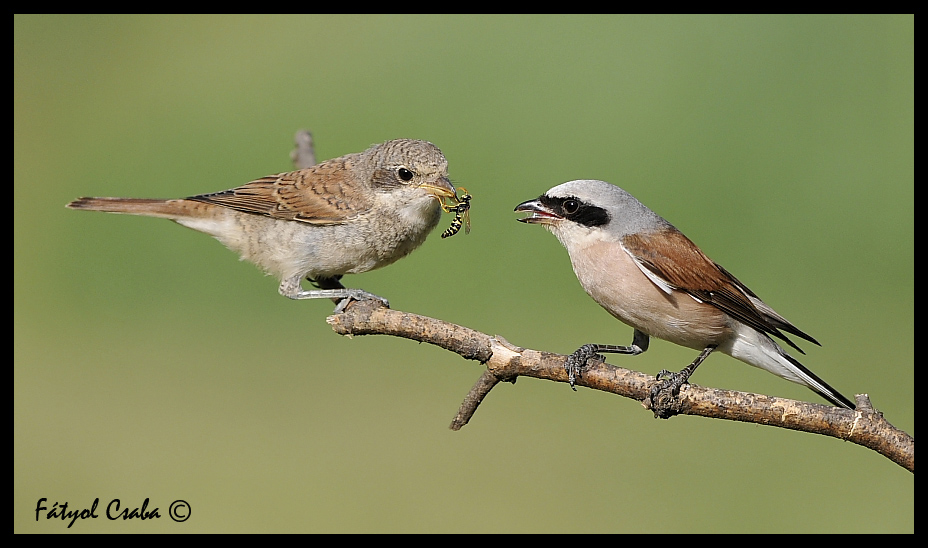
381	239
400	232
611	277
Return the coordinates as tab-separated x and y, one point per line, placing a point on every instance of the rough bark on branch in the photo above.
505	362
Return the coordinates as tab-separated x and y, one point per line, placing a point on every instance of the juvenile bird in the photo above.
647	274
343	216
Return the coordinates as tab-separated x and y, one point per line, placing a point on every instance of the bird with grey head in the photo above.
650	276
343	216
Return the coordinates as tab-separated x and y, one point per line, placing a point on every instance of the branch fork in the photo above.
506	362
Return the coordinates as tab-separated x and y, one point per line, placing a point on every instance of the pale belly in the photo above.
612	279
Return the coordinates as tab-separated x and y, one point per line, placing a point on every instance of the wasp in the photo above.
461	214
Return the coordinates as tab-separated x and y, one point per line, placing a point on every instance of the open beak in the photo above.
539	213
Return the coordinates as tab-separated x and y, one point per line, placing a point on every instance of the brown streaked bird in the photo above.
647	274
343	216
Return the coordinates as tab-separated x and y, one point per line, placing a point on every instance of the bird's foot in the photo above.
663	398
330	288
576	362
358	295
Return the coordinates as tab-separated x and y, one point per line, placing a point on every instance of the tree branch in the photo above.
304	154
505	362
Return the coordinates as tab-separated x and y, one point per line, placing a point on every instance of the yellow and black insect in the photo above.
461	215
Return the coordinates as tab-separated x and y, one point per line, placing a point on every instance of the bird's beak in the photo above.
441	188
539	213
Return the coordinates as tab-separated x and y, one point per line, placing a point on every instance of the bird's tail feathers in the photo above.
817	385
168	209
758	349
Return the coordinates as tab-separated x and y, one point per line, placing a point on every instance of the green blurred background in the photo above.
150	362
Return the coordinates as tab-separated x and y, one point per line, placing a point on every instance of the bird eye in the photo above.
570	206
404	174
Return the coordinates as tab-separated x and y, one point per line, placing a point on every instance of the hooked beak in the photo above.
539	213
441	188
